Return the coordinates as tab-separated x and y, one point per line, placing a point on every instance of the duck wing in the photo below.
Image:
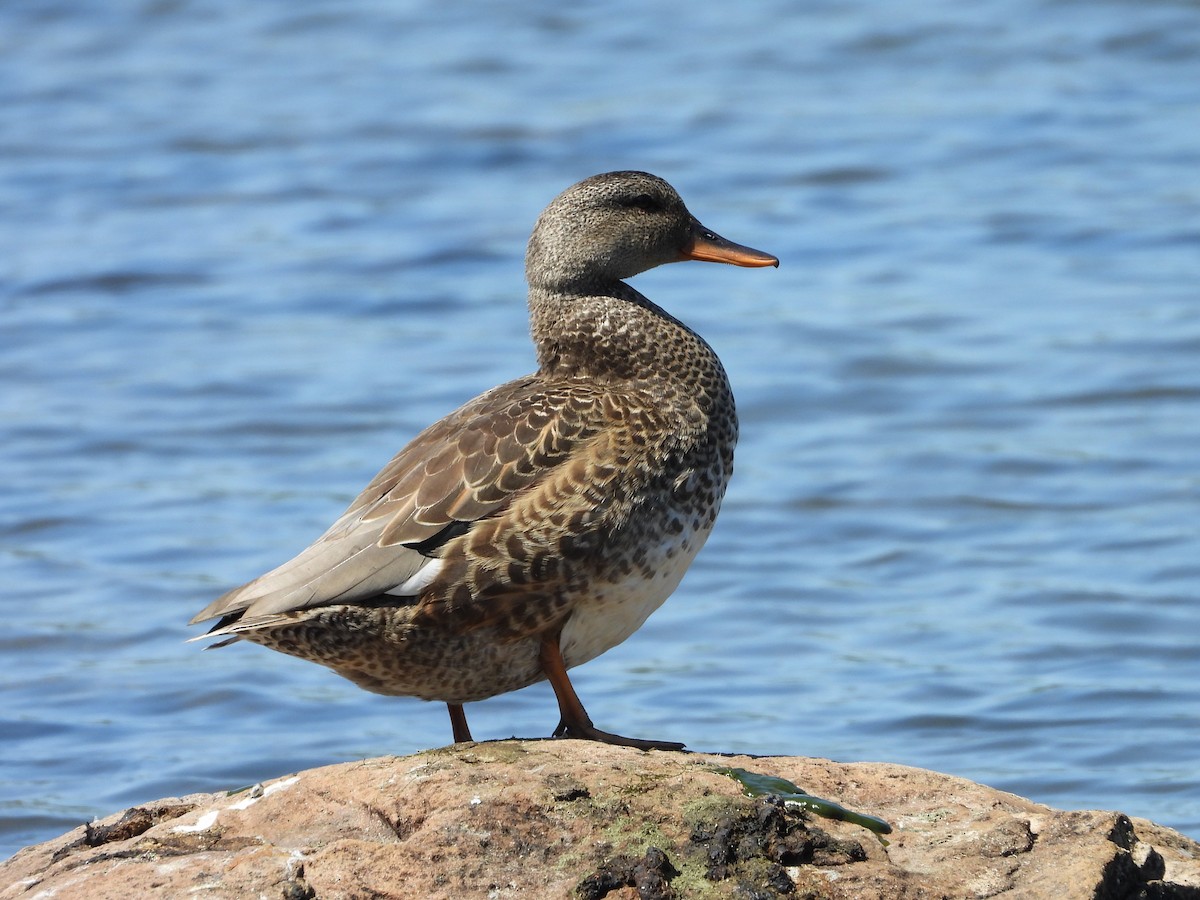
467	466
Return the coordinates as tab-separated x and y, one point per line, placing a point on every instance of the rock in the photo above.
562	819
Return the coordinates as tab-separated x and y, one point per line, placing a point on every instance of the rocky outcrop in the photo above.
555	819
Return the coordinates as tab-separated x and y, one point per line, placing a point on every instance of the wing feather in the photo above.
463	468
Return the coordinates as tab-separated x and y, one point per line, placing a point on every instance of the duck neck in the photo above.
613	332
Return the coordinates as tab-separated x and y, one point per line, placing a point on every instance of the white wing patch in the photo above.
418	581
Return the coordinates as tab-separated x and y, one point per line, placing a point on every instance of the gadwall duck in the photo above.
541	523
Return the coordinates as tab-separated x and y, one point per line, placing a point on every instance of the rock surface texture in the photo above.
567	819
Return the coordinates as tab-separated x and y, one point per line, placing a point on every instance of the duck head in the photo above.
612	226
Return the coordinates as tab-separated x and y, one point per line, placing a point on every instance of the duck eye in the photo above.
644	202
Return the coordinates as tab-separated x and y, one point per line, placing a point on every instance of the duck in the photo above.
541	523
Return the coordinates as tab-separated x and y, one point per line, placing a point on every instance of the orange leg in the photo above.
458	721
574	721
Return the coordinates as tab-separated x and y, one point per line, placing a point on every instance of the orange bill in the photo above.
711	247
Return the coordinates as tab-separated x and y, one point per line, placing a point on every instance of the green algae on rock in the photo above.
756	784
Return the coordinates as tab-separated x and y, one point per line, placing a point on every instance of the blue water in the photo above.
249	250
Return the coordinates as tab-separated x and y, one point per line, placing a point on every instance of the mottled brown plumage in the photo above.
541	523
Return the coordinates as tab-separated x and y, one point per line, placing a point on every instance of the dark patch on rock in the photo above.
1122	833
565	789
133	822
177	845
296	888
1161	890
760	879
1123	878
651	876
769	831
1010	838
1154	867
